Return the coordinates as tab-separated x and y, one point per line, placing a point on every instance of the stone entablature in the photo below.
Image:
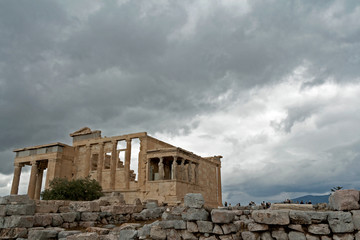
165	172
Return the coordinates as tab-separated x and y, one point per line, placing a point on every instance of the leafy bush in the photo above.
83	189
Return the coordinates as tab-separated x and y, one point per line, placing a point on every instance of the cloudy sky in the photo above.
272	86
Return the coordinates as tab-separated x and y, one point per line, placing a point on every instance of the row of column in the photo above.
113	162
35	181
184	172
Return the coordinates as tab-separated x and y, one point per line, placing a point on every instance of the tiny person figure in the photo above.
225	204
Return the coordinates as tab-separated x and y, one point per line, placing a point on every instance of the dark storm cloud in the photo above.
154	66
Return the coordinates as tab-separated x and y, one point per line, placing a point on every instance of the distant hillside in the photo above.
314	199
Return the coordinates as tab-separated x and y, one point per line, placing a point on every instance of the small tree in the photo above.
83	189
336	188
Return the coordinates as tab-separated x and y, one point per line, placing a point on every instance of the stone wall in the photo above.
109	218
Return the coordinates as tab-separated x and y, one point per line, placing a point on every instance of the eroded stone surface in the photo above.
344	200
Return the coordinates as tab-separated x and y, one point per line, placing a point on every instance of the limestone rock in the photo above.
85	206
343	237
192	227
356	219
68	216
194	200
186	235
222	216
42	234
256	227
296	227
42	220
345	200
23	209
218	230
250	236
19	221
228	228
299	217
321	229
172	234
205	226
341	222
311	237
13	233
83	236
144	232
89	216
64	234
279	234
194	214
157	233
296	236
266	236
176	224
275	217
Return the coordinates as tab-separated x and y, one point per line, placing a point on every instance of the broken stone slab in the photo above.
148	214
194	200
275	217
296	227
170	216
222	216
186	235
342	200
311	237
144	232
195	214
341	222
217	230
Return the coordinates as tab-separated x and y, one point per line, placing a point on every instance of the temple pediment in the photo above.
82	131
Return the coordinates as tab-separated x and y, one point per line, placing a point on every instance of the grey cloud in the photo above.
118	69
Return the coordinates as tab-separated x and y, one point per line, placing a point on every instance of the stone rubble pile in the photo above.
104	219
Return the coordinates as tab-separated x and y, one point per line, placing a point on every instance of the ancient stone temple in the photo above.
165	173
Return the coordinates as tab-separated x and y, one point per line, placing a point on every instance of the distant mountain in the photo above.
313	199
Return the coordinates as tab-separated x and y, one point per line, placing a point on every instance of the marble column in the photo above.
114	158
127	163
161	169
38	183
174	169
196	173
189	172
100	163
186	172
219	194
16	179
32	181
182	169
87	161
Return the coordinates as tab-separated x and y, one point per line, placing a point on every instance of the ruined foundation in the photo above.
165	172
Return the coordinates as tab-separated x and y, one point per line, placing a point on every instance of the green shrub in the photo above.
83	189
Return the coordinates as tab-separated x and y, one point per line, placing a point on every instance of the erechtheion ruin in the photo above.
165	173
